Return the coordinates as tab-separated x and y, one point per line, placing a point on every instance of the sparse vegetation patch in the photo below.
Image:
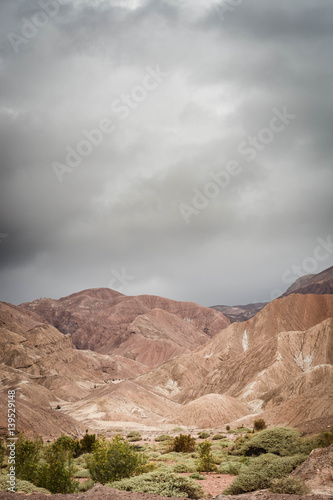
161	483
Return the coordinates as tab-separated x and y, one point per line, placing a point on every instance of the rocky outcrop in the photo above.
316	471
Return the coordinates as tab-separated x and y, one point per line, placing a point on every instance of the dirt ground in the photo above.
214	483
100	492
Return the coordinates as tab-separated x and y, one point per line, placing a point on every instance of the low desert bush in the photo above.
86	485
261	471
134	436
242	430
81	461
184	443
183	467
233	468
163	437
161	483
197	476
233	465
227	427
21	485
115	459
325	438
289	485
217	437
278	440
205	462
83	473
259	425
203	435
225	443
171	456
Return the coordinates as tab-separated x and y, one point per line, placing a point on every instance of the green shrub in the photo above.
225	443
81	461
242	430
259	425
233	468
261	471
227	427
325	438
134	436
303	446
69	444
183	467
289	485
218	437
27	455
56	472
163	437
197	476
87	443
203	435
83	473
183	443
161	483
277	440
86	485
21	485
169	457
205	462
114	460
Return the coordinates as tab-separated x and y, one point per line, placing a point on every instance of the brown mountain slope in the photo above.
277	364
321	283
41	362
146	328
211	410
123	402
248	360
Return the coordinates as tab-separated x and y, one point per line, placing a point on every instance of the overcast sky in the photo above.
204	171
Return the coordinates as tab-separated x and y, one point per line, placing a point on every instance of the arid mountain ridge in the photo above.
321	283
107	359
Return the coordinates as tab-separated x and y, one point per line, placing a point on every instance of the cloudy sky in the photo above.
177	148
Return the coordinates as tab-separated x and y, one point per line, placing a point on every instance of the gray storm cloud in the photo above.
120	121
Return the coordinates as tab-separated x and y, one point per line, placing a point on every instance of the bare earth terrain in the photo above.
101	493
